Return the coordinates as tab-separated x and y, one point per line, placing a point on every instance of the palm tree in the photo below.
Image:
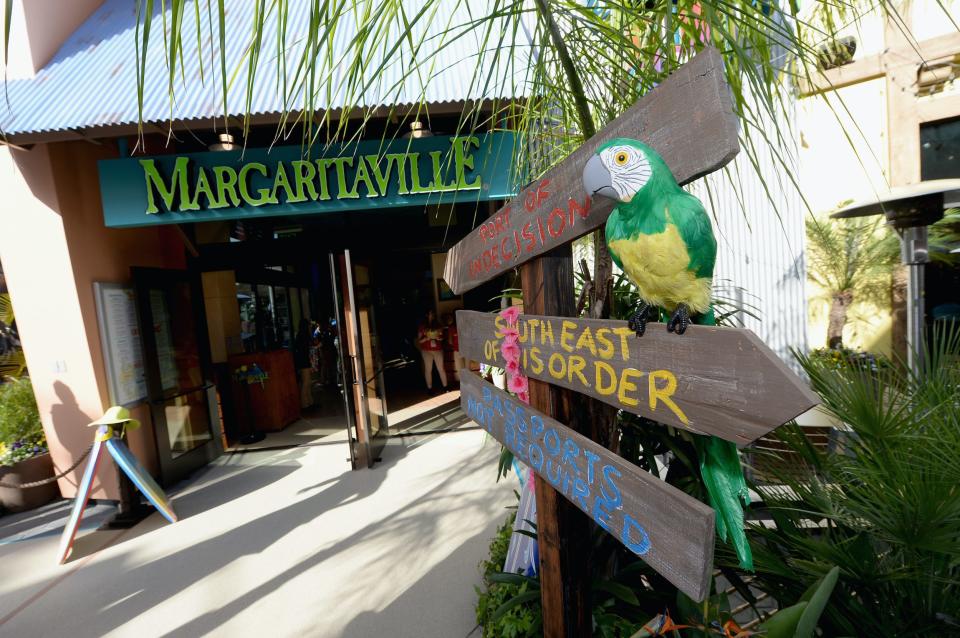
554	70
12	361
850	259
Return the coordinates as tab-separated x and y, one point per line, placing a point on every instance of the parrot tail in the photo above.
723	477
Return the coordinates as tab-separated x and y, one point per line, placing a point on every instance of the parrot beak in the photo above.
596	179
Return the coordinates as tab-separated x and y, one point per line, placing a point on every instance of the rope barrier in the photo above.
26	486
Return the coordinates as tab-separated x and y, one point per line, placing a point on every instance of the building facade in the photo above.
886	116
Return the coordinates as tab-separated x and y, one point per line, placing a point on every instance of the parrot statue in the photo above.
661	237
659	234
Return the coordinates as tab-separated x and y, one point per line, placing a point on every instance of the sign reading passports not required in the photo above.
670	530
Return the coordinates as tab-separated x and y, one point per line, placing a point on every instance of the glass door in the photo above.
182	397
361	357
344	362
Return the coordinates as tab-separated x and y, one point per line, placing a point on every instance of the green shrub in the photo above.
21	435
837	358
508	605
885	508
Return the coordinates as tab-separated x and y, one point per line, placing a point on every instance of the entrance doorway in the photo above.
361	358
180	388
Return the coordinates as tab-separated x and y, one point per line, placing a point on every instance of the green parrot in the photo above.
661	237
659	234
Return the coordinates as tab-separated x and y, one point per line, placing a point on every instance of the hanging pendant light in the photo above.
225	143
417	130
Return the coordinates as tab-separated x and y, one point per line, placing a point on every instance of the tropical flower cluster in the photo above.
510	348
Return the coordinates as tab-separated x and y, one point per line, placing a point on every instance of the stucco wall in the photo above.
843	156
38	29
54	247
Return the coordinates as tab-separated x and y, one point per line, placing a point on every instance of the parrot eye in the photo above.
621	158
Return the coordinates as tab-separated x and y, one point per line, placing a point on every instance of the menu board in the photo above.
120	340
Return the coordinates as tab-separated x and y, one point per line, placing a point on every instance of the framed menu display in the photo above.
120	340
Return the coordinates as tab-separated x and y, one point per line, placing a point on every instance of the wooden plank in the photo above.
563	532
711	380
669	529
688	119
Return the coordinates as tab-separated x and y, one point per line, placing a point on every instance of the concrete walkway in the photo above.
280	543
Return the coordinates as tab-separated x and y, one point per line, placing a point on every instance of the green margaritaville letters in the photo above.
194	188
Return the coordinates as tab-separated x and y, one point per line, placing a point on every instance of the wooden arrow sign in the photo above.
688	120
710	380
669	529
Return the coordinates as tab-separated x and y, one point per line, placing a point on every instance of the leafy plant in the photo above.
556	71
12	362
508	605
851	260
21	434
884	507
945	238
844	357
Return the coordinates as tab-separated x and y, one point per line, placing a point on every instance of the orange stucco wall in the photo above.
54	247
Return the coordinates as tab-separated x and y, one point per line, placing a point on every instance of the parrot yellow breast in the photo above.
658	264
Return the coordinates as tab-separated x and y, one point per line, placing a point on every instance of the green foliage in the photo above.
6	309
884	508
842	357
12	361
508	605
556	70
21	435
851	255
944	237
13	364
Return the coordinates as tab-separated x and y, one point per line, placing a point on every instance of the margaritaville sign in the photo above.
168	189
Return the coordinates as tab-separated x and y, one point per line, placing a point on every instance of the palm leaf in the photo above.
6	309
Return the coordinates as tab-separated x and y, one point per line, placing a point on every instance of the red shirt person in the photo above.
430	342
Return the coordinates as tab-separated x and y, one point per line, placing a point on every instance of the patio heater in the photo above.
910	210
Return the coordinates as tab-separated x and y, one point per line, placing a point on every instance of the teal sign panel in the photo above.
287	180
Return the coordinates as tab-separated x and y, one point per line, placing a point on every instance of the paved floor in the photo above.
276	543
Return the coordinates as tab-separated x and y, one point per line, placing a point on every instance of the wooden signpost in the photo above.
712	380
688	120
670	530
718	381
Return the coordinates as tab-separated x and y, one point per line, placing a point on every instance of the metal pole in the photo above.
914	254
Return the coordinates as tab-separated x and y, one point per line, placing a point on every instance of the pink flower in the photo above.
517	384
510	332
524	397
513	367
510	350
510	314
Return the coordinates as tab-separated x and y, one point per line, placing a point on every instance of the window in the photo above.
940	150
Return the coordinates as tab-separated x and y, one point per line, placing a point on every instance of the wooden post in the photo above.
563	532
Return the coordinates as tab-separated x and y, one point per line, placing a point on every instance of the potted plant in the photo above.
23	449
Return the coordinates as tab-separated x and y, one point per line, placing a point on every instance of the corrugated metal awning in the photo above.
91	81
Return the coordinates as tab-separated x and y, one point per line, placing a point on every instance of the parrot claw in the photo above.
679	320
638	320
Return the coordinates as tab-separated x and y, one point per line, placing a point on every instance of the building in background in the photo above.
886	116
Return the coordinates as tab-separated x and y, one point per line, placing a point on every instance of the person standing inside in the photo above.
430	342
